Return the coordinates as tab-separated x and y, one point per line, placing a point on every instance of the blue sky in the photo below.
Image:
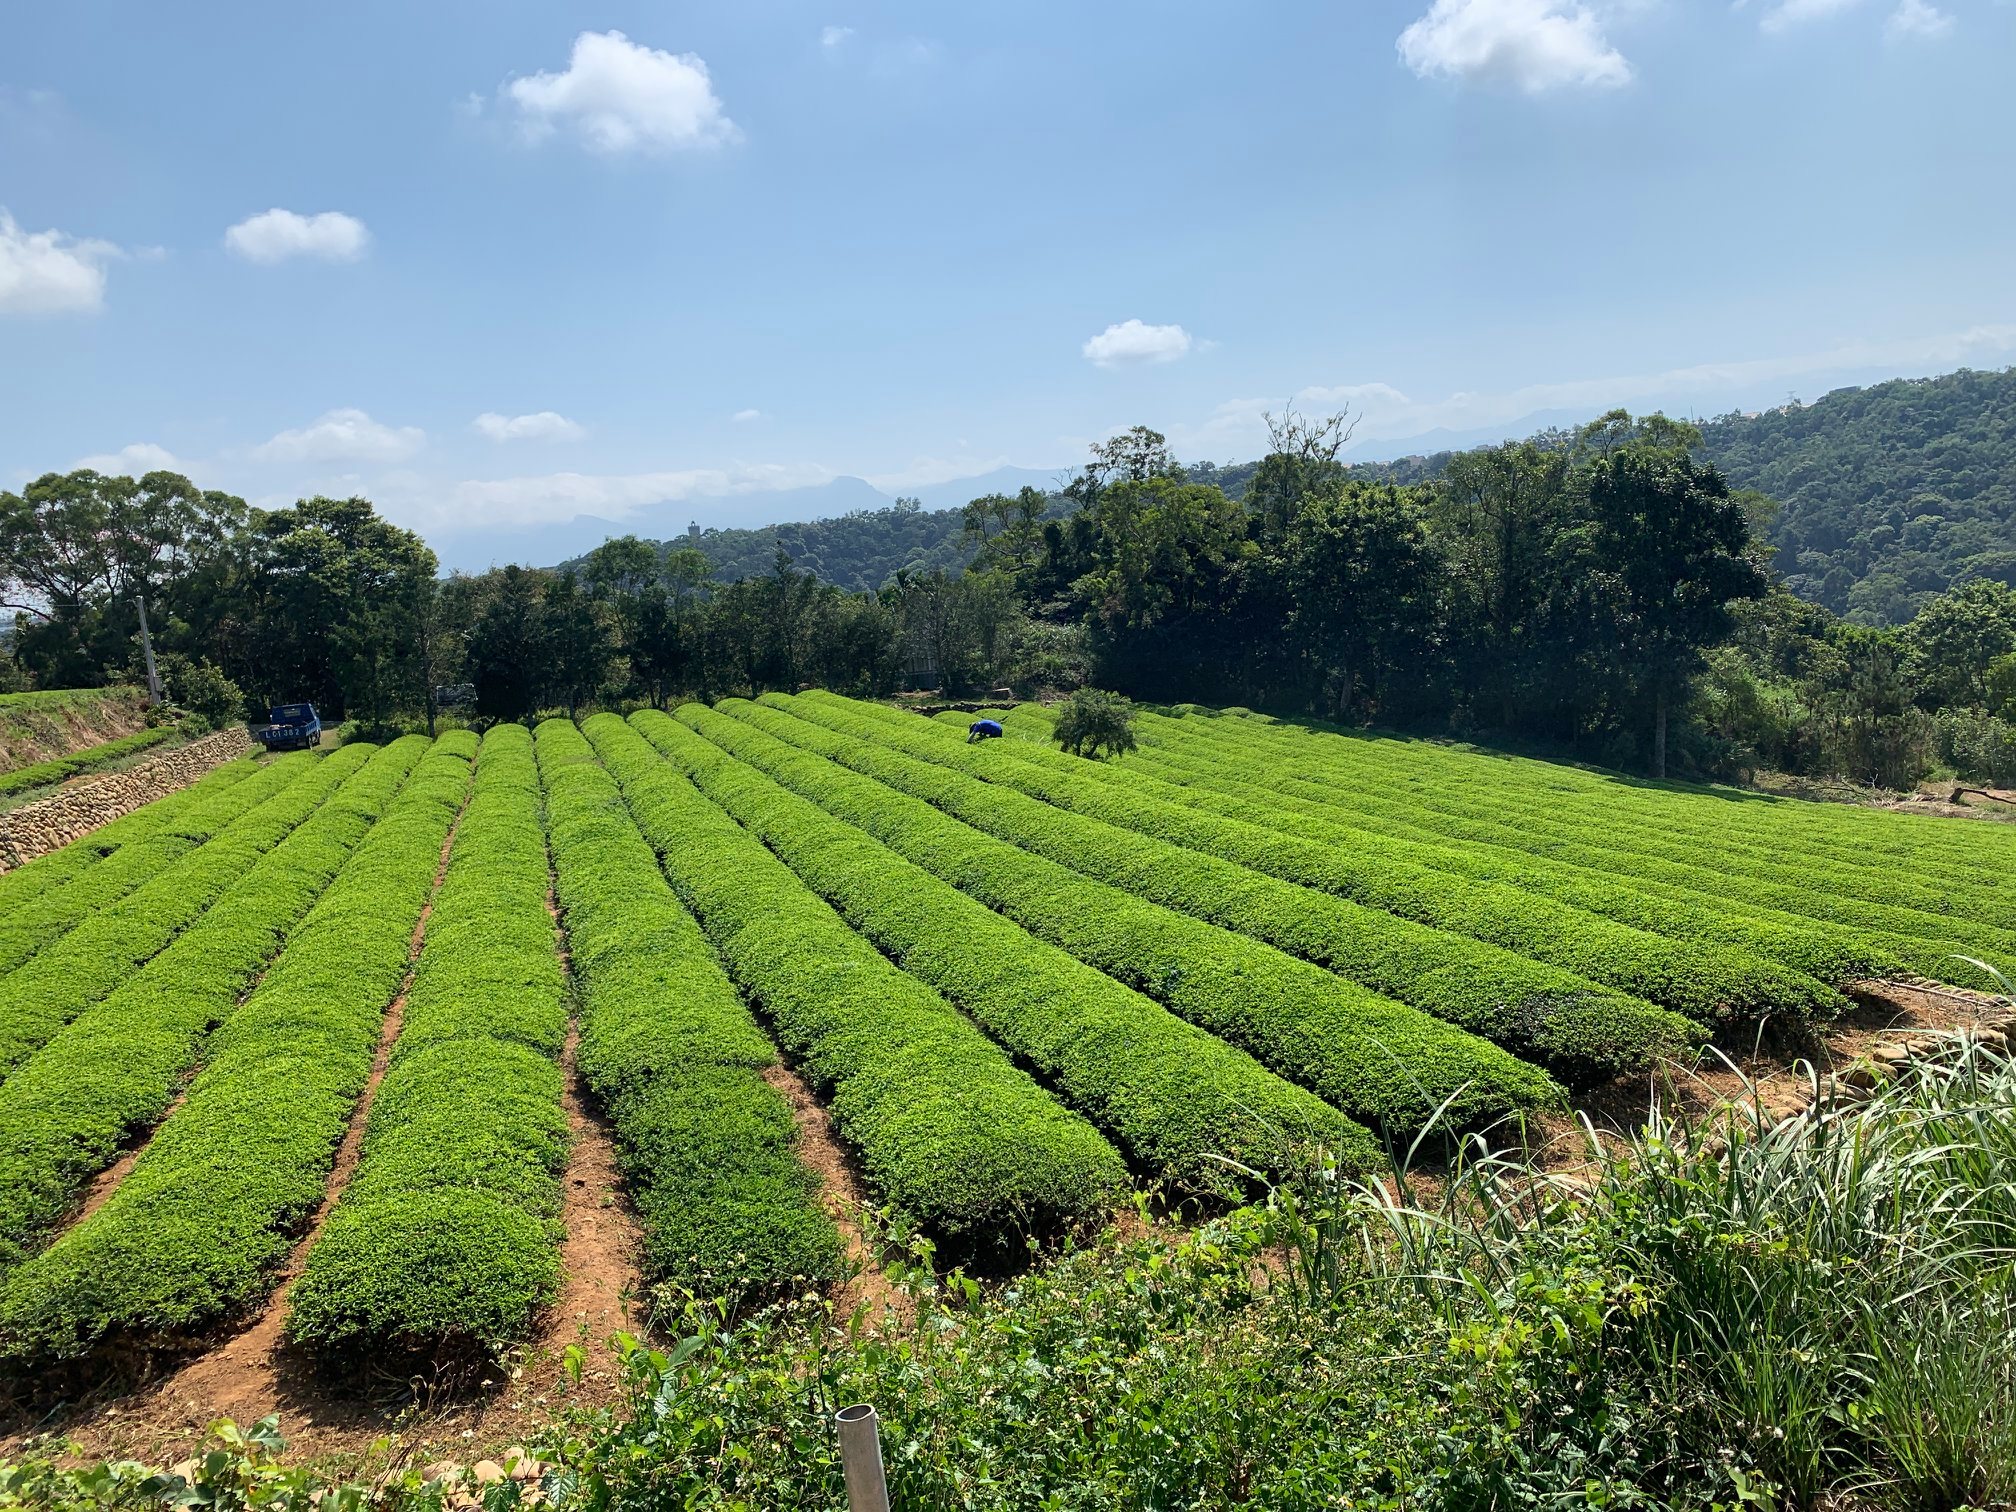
680	251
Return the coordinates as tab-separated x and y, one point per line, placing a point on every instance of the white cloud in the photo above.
275	235
343	435
1131	341
1790	13
48	273
744	416
558	497
132	461
833	36
1917	20
543	426
1535	45
621	96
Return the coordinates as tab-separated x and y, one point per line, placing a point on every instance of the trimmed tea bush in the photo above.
231	1177
1176	1099
708	1147
444	1244
948	1129
110	1074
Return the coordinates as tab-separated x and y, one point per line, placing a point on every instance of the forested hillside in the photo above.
1887	495
859	551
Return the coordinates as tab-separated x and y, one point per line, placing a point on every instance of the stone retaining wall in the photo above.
35	829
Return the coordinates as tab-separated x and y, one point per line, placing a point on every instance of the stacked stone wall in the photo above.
35	829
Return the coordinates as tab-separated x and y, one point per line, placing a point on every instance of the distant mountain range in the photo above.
491	546
1889	494
479	549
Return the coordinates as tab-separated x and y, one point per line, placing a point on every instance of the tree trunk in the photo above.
1659	733
1347	689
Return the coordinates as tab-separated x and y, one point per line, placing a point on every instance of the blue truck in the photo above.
289	727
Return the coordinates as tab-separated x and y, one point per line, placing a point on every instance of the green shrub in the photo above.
226	1183
111	1073
1706	983
708	1148
445	1272
202	688
1608	839
1224	778
1801	1313
443	1244
74	971
1915	867
948	1130
1179	1101
50	895
1095	723
1572	1026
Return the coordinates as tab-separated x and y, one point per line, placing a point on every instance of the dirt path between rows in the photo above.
106	1182
600	1284
252	1372
844	1196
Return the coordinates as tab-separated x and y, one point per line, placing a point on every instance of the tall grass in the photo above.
1723	1310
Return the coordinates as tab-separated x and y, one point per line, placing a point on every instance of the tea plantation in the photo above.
1023	985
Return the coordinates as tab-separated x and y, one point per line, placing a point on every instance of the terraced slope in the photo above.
1024	986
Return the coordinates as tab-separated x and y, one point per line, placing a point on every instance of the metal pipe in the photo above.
861	1457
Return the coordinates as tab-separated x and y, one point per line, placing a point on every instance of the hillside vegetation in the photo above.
1887	495
1208	989
1606	592
37	728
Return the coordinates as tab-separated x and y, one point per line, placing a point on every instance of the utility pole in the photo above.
147	650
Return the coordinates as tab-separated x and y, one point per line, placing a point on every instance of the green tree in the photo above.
1876	735
1363	584
621	568
1005	531
2001	685
1501	515
507	646
202	688
1160	549
1956	639
577	640
79	549
1675	547
1301	463
332	597
1133	456
1093	722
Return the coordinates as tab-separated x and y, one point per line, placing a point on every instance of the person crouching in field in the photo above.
983	729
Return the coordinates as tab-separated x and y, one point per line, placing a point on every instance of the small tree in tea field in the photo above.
1093	722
